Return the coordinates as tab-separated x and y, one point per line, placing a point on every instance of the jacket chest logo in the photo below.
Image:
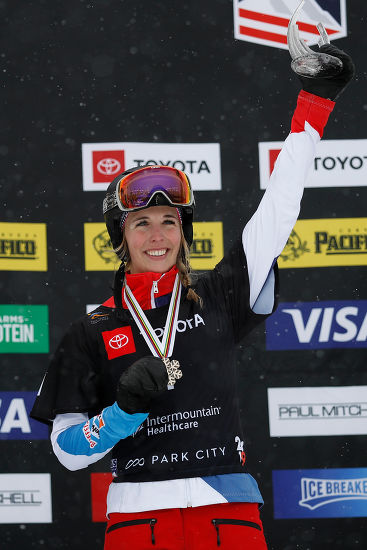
118	342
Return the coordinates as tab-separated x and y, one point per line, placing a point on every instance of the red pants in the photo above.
232	526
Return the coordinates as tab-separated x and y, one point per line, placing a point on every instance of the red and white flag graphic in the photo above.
266	21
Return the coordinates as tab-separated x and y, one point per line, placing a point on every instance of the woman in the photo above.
150	374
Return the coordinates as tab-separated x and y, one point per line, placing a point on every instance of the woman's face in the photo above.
153	236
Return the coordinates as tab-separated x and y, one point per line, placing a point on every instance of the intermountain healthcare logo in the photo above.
23	329
23	247
103	161
15	422
338	163
326	493
326	242
25	498
319	411
315	325
266	21
206	250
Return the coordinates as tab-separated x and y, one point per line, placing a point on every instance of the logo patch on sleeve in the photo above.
118	342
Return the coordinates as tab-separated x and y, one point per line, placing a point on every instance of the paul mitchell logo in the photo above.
318	411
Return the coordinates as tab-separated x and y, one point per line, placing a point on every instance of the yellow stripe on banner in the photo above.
326	242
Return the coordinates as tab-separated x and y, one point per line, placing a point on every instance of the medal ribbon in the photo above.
159	348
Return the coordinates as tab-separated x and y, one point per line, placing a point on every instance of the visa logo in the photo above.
15	422
311	325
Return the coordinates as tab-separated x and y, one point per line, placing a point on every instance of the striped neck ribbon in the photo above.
164	347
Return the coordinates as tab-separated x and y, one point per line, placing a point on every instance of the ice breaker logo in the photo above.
311	325
331	493
266	21
320	492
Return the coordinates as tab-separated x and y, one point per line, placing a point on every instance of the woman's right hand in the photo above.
141	383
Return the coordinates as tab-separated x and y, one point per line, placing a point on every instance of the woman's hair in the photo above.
182	264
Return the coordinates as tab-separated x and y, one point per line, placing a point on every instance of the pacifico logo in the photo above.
23	329
103	161
207	246
23	247
99	255
325	243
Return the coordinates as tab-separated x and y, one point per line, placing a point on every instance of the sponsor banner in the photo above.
99	255
315	325
104	161
25	498
206	250
339	163
15	422
325	493
266	21
23	247
333	410
99	489
326	242
207	246
24	329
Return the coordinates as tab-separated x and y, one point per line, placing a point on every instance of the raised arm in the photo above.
266	233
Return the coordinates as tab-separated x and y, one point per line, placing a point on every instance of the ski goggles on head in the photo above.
136	190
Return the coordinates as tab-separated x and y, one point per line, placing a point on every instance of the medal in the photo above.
159	348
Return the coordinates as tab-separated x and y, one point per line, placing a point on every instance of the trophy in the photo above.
306	62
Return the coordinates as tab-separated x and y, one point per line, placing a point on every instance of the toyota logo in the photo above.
118	341
108	166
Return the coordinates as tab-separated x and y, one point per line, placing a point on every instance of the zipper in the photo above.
154	291
216	522
188	493
148	521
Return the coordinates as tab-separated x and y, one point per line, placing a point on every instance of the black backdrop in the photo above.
109	71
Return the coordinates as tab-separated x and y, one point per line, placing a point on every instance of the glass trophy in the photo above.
305	61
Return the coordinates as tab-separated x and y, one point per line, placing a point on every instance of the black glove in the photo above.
142	383
330	87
